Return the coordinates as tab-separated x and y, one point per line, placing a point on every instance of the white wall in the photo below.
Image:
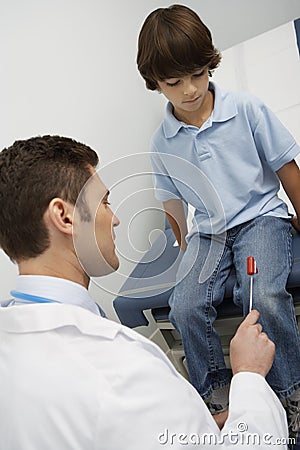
267	66
68	67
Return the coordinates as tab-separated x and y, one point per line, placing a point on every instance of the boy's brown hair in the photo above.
174	42
32	173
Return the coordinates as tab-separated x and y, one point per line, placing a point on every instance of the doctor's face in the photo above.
94	236
105	222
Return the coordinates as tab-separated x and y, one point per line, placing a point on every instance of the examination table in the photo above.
143	299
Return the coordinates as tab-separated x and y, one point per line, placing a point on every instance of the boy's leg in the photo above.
268	240
193	313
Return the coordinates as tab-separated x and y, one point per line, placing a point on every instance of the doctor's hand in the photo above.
251	350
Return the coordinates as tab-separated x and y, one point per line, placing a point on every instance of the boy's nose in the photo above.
189	88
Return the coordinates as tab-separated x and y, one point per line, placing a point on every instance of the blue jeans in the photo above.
193	302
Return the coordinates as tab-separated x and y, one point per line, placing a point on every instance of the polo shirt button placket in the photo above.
201	149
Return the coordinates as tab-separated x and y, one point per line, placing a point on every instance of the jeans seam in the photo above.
209	305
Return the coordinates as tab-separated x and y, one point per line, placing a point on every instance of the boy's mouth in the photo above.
193	100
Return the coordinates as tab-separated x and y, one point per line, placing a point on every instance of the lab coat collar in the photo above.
58	289
224	109
38	317
43	317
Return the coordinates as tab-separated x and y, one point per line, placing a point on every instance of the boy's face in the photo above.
186	93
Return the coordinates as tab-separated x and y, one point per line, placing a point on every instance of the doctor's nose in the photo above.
115	221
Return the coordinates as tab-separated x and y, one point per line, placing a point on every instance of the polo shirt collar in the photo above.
224	109
170	124
225	106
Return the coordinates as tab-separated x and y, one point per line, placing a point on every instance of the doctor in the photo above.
74	380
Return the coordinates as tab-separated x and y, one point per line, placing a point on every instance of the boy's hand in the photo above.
295	223
251	350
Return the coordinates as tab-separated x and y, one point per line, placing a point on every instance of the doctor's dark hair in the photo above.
174	42
32	173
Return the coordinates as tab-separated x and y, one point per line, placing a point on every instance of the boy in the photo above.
242	150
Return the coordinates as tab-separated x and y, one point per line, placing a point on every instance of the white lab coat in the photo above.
71	380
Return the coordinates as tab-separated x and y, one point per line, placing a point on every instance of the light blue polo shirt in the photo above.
225	169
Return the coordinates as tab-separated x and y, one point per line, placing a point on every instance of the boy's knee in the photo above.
267	298
183	312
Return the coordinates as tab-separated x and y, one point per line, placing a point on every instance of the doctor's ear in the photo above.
60	215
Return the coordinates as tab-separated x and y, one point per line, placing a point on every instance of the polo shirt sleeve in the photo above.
164	186
274	142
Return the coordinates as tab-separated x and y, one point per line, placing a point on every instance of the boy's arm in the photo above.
175	212
289	175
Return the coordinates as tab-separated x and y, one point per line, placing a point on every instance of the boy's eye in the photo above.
173	83
198	74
